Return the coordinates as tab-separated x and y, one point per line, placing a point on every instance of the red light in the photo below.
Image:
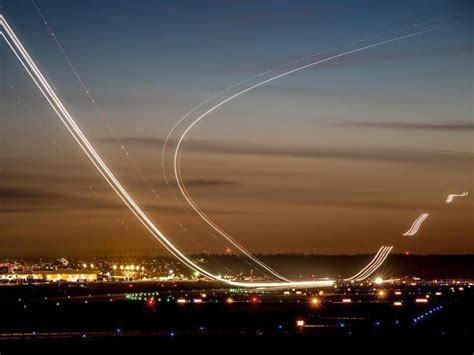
150	302
346	300
254	300
407	253
197	300
228	250
300	323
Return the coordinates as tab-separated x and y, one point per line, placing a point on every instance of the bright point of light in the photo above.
197	300
229	300
300	323
314	301
254	300
397	303
381	293
346	300
398	293
181	300
421	300
378	281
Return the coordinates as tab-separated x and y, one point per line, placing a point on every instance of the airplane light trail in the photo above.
416	225
373	265
57	106
452	196
177	153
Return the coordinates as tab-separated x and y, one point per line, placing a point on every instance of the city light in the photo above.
378	281
300	323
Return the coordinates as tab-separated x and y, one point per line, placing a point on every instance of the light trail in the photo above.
57	106
177	154
452	196
416	225
240	83
373	265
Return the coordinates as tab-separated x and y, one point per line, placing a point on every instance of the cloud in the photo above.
209	182
352	153
461	126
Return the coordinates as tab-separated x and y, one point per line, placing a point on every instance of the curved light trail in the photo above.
416	225
57	106
373	265
177	154
452	196
60	110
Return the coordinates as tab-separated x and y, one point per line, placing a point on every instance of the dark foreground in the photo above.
73	318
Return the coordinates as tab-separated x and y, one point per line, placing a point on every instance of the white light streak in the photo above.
452	196
416	225
51	97
177	153
373	265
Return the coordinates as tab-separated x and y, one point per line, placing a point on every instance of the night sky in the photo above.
338	158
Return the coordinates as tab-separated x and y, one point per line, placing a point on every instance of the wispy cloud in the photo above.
461	126
354	153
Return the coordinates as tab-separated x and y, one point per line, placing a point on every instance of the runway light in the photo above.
421	300
346	300
378	281
300	323
150	302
